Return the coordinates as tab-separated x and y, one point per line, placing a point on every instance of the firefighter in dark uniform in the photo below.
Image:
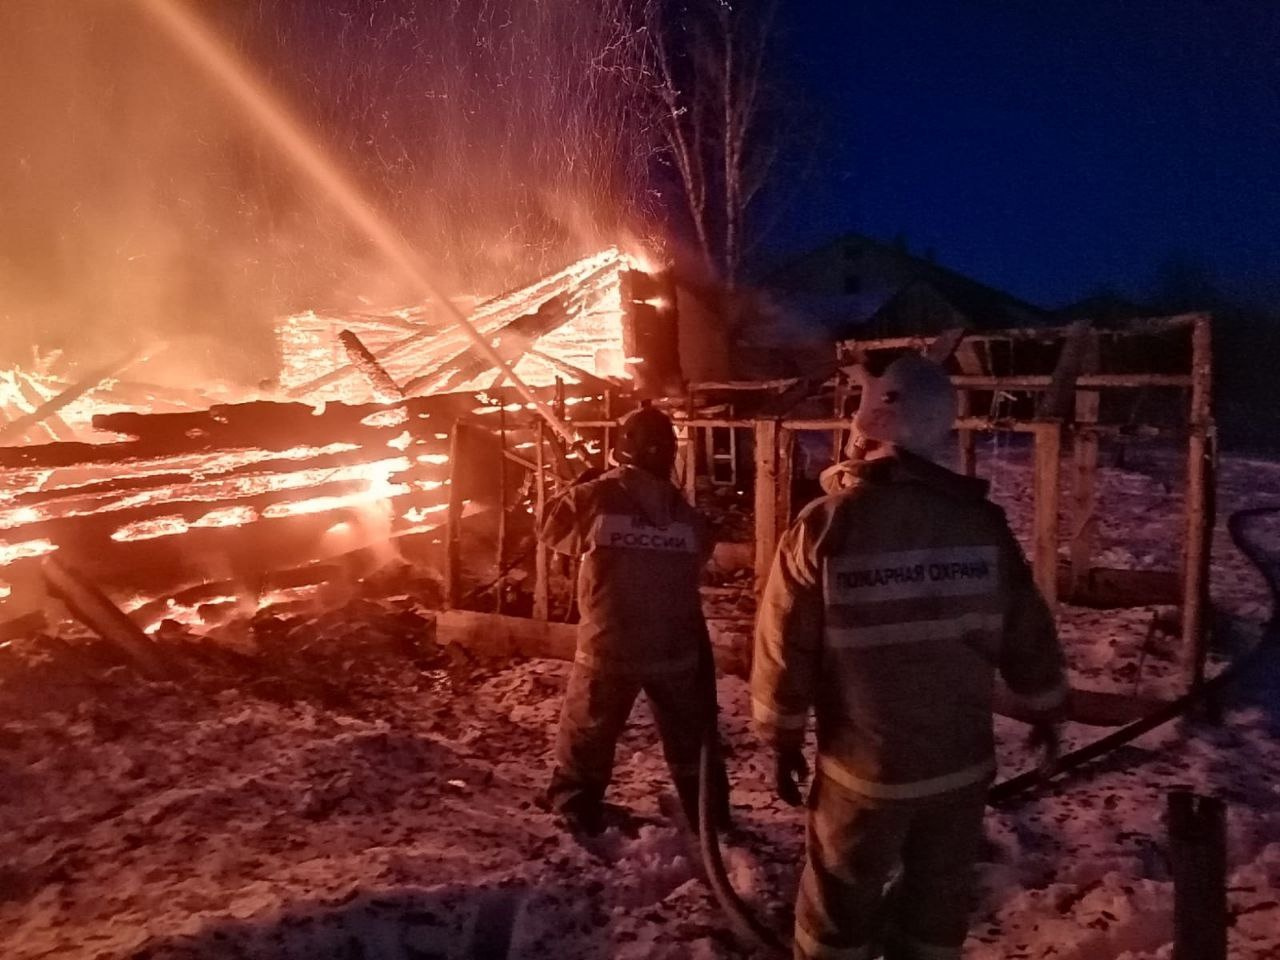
642	548
892	604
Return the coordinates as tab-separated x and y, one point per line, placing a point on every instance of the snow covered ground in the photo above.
368	796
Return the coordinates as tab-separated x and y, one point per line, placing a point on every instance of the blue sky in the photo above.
1049	148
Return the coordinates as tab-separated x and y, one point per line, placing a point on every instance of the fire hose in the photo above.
752	930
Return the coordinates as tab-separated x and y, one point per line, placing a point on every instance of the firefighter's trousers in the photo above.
597	704
855	844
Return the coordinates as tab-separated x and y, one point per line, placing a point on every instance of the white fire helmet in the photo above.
911	405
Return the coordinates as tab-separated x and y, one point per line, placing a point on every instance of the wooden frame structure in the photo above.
1070	389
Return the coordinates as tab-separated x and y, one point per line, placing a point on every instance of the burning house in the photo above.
356	446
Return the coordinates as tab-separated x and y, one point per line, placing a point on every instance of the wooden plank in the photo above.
1098	381
981	424
1109	588
502	637
101	494
1048	455
1143	326
766	498
1199	503
1084	474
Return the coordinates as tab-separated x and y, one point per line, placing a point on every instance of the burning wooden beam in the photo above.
86	384
384	388
95	610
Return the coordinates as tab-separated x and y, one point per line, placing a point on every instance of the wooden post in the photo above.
842	394
786	459
1198	856
453	524
691	465
501	549
690	474
541	586
1048	456
1199	503
766	498
971	363
967	440
608	431
1084	478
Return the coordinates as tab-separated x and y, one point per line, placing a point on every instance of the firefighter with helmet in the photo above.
890	607
643	548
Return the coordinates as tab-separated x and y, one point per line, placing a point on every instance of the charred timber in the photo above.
95	610
384	388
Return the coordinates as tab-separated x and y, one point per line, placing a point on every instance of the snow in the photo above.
360	793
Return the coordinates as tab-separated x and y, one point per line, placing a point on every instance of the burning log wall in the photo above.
229	500
226	498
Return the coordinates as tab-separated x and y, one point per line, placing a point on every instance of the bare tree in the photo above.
711	60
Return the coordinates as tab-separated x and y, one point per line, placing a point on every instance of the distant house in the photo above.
858	286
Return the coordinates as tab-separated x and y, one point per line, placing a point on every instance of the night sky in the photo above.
1048	148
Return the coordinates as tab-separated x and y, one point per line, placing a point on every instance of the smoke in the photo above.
503	137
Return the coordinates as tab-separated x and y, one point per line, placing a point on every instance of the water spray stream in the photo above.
300	147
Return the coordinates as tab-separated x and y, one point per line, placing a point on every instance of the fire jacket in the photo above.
890	607
642	548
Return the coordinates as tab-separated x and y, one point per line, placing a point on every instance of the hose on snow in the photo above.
1206	692
746	925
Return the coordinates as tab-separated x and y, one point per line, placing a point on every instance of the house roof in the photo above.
886	270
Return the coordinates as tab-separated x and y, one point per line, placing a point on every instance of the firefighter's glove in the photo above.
790	771
1044	739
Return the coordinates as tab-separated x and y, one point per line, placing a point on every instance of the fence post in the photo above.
1197	853
1199	502
766	500
1048	459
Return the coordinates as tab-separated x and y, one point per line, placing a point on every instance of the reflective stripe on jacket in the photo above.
642	548
889	609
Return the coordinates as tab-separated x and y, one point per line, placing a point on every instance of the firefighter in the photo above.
643	548
890	607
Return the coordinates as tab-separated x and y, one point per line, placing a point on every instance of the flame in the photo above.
227	517
10	552
151	529
418	514
590	338
386	418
